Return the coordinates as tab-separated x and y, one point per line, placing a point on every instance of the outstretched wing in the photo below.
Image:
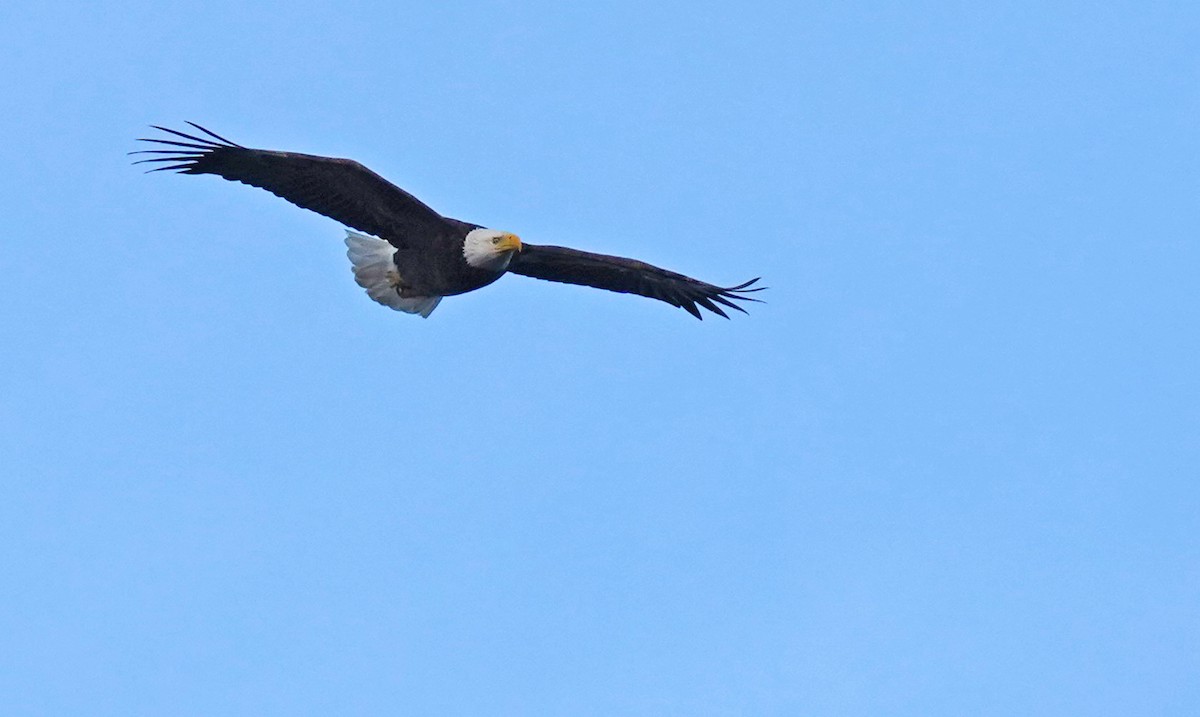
628	276
340	189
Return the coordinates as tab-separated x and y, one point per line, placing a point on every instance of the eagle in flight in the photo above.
406	255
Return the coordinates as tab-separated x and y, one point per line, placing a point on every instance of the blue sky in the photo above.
949	468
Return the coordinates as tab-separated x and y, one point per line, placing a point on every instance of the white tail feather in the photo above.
375	271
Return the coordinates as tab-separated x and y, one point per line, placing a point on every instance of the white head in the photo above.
490	249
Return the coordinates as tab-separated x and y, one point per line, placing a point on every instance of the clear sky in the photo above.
950	468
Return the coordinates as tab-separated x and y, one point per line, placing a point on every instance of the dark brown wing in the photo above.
340	189
627	276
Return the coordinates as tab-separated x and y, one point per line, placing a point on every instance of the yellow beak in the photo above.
509	242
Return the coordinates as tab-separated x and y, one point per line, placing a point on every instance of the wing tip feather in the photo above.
188	154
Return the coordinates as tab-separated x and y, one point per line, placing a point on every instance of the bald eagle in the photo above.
406	255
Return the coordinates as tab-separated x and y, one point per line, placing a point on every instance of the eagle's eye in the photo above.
495	240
